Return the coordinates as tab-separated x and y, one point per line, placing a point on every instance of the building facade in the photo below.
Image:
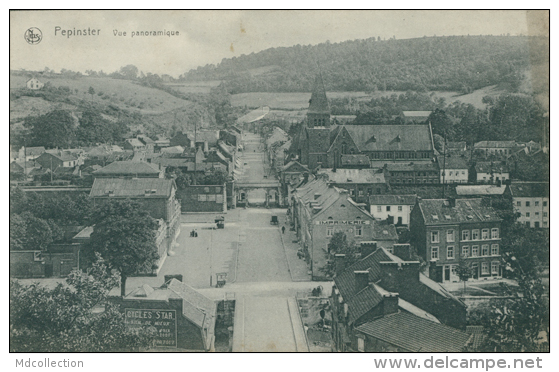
447	230
395	208
530	201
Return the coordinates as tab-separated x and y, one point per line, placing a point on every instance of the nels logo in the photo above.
33	35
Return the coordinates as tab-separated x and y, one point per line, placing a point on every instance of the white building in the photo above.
34	84
530	201
453	169
397	207
491	172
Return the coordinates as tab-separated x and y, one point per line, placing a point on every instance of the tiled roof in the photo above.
452	162
135	142
480	190
196	307
62	155
345	281
128	167
412	166
34	151
294	163
353	175
130	188
172	150
424	114
495	144
415	334
488	167
384	231
391	137
350	159
362	302
529	189
392	199
440	211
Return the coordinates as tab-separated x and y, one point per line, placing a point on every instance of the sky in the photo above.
210	36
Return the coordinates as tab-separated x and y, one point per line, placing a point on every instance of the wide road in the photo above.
262	257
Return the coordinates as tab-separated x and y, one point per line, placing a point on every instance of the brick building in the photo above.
443	230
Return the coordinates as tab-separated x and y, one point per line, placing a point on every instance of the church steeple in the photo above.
318	114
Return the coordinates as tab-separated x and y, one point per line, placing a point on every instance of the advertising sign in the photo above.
164	322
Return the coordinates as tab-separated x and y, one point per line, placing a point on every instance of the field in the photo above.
298	101
123	93
197	87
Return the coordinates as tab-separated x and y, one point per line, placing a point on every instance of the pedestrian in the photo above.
283	229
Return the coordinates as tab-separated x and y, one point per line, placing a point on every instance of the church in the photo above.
319	142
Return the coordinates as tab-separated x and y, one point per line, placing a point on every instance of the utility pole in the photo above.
444	162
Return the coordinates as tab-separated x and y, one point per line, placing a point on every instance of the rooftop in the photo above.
414	334
495	144
441	211
127	167
353	175
529	189
390	137
489	167
392	199
130	188
480	190
424	114
452	162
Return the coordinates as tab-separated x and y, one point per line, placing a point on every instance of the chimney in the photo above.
361	280
390	303
403	251
339	262
367	248
452	202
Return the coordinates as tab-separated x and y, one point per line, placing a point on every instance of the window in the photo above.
495	233
536	203
537	224
527	203
465	234
475	250
434	236
544	223
537	214
399	208
379	208
360	192
359	231
330	231
475	234
388	208
485	250
465	251
545	204
495	268
361	344
527	214
434	253
484	268
494	249
528	223
519	204
450	235
485	234
450	252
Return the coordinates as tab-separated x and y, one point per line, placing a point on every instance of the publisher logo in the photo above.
33	36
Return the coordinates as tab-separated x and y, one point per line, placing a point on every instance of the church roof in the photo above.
318	103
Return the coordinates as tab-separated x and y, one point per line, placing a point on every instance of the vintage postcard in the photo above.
280	181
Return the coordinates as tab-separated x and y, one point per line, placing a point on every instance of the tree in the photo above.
129	72
91	91
54	129
339	244
63	319
464	271
124	235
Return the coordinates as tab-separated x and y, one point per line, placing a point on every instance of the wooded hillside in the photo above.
453	63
